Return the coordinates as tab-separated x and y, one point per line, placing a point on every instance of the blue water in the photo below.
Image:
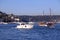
37	33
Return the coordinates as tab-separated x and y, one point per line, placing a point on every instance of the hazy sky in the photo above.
30	7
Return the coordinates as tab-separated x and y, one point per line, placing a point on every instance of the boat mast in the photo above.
50	14
43	12
43	15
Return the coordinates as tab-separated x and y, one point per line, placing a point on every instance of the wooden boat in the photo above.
42	24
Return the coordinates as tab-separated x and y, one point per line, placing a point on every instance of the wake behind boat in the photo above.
10	24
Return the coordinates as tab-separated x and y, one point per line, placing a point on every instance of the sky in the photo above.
30	7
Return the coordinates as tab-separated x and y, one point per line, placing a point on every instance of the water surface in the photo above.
37	33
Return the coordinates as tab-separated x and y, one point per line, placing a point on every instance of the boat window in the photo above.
22	24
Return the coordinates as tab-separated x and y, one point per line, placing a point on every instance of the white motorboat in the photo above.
25	25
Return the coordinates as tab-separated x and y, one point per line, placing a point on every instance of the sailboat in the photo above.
42	23
51	21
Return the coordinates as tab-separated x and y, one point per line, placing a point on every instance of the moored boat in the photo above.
42	24
51	24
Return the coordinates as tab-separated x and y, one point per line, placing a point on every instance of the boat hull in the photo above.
25	26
